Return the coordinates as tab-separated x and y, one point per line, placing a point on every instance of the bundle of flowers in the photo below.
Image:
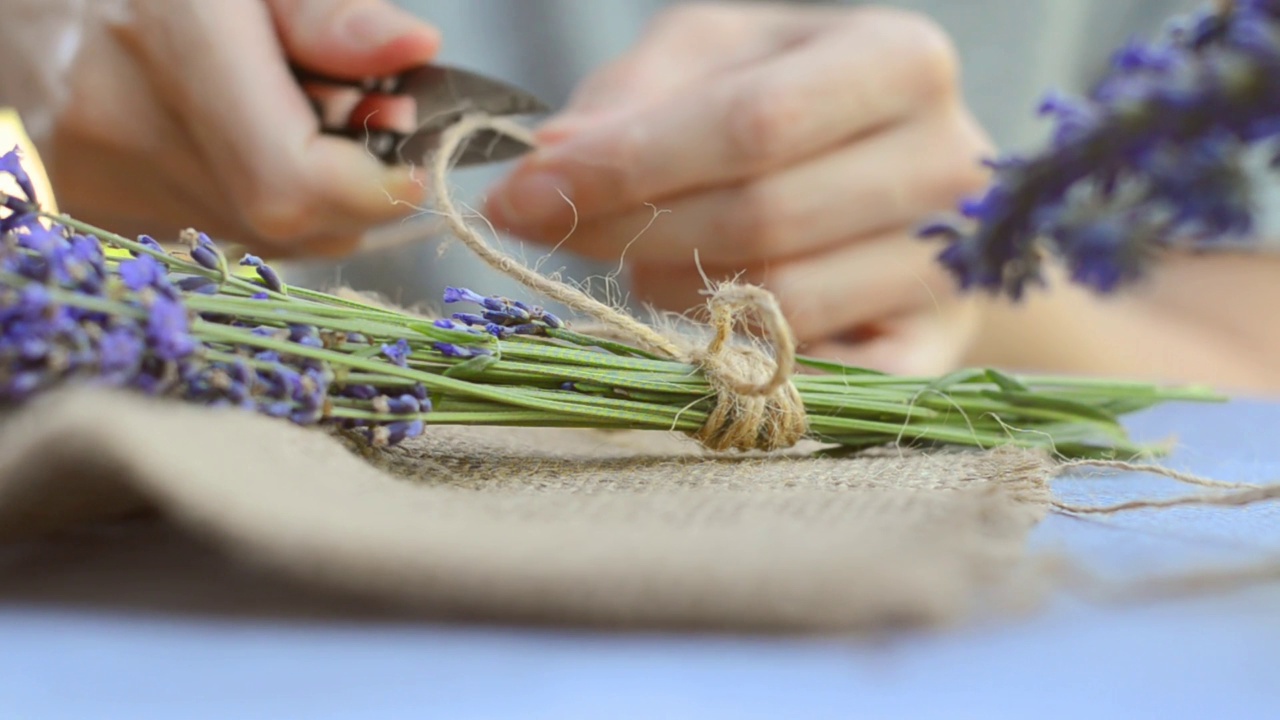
79	304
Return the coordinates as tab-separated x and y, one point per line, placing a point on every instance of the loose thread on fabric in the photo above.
750	414
1232	499
1244	493
1122	466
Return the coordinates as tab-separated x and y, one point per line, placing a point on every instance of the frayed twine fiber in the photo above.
757	406
1240	494
1178	585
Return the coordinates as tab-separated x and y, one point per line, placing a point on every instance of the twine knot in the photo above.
757	406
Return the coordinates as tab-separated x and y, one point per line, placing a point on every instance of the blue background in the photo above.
1207	657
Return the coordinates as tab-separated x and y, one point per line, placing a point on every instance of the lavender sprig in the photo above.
1152	159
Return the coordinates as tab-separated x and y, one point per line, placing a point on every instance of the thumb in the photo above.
352	38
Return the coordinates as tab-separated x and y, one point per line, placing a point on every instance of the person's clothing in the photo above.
1012	52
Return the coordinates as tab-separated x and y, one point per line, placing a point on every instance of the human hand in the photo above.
155	115
796	148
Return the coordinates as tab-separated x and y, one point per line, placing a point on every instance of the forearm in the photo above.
1202	319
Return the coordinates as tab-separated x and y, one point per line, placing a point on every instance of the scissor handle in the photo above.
426	84
389	84
384	144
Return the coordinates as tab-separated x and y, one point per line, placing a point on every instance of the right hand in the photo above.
155	115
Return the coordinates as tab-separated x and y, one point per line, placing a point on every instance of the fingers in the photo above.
753	119
859	190
822	295
919	344
683	45
352	38
222	72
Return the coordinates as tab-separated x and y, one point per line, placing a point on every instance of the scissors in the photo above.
443	96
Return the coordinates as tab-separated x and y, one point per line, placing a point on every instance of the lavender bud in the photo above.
360	392
167	330
198	284
457	351
143	272
148	242
206	257
403	405
277	408
470	319
11	165
455	295
397	353
398	432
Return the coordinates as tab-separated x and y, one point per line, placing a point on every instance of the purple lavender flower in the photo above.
205	257
11	165
305	335
402	405
168	331
397	353
470	319
550	320
148	242
360	392
447	324
269	276
502	312
456	295
21	214
198	284
203	249
44	342
398	432
1157	146
143	272
120	352
459	352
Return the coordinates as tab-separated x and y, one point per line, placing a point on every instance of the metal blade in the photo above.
443	94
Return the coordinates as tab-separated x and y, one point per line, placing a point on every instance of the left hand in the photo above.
795	148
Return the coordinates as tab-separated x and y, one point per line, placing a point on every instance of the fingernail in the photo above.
533	199
373	27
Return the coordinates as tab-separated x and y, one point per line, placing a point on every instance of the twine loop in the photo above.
757	406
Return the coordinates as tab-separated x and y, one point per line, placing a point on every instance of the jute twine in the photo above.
757	405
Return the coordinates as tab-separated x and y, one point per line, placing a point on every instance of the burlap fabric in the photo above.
629	530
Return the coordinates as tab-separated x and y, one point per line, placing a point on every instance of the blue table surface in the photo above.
1206	657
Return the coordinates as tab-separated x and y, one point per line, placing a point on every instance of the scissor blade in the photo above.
443	94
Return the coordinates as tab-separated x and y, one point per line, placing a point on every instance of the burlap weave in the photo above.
510	525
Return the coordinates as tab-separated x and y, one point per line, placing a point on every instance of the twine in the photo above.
757	406
1240	494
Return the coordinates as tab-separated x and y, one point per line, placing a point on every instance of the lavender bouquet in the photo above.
79	304
1156	157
